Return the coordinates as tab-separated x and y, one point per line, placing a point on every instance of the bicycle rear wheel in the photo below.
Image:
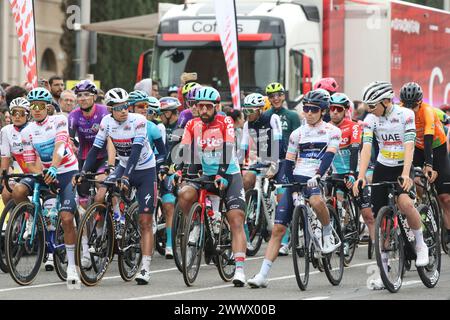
130	254
333	263
177	236
23	256
160	234
6	214
430	274
97	229
193	243
300	247
254	222
389	249
226	264
351	232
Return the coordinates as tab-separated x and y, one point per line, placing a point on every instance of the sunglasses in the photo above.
313	109
120	107
248	111
151	112
276	95
84	95
20	113
141	105
372	106
337	109
38	106
208	106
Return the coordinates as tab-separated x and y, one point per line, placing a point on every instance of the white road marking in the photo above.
316	298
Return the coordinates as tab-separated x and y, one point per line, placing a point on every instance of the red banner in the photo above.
23	14
420	44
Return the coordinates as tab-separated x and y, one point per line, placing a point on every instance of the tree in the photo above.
439	4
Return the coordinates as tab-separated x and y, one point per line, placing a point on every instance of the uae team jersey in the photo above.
86	129
350	136
308	144
12	145
392	131
124	135
39	139
208	141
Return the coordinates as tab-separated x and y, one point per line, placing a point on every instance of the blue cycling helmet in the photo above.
340	99
207	94
154	105
40	94
137	96
318	97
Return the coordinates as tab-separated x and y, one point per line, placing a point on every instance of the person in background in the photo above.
15	92
56	87
145	85
3	106
173	91
100	97
7	118
67	102
155	90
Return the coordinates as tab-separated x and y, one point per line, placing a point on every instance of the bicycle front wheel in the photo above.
226	264
389	249
193	243
24	251
300	247
177	236
254	222
6	214
333	263
95	244
160	234
350	232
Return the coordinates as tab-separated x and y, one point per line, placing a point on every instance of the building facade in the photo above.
51	60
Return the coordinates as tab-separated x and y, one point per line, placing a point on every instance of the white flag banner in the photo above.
23	15
226	25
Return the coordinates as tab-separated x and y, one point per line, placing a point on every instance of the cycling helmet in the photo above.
137	96
115	96
318	97
254	100
188	86
169	104
377	91
172	89
19	103
445	107
40	94
340	99
328	84
191	94
410	94
207	94
85	85
274	87
154	105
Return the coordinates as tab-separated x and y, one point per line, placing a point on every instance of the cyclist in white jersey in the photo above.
128	132
395	130
311	149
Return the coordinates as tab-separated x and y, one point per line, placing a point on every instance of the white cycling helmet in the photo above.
115	96
254	100
20	103
377	91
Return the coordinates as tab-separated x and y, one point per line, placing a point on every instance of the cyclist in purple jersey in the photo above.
192	111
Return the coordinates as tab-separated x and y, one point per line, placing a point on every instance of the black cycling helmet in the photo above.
410	94
318	97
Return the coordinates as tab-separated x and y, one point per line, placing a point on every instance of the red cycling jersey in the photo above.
351	133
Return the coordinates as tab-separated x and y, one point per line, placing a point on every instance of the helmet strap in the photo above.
385	108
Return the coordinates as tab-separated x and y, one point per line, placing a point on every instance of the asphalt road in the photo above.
167	284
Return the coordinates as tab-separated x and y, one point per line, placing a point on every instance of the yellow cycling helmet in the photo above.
274	87
267	104
188	86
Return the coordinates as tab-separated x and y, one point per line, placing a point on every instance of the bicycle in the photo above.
306	239
394	238
349	217
31	235
99	228
260	210
203	233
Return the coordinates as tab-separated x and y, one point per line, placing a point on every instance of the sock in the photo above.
265	268
70	251
239	258
84	243
168	237
419	237
327	229
146	260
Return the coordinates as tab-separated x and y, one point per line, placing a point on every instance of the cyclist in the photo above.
173	91
310	154
346	160
153	112
395	131
128	132
191	110
47	138
431	148
330	85
184	91
264	130
213	136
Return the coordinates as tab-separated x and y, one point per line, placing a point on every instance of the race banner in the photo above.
23	15
226	25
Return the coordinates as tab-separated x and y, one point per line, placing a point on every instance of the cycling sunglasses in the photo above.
141	105
120	107
249	111
372	106
337	108
38	106
209	106
276	95
312	108
151	112
20	113
84	95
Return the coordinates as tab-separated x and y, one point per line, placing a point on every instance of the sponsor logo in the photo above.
210	142
409	120
390	137
61	124
405	25
127	128
95	127
140	125
395	120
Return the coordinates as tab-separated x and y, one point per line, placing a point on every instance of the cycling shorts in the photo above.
100	167
363	199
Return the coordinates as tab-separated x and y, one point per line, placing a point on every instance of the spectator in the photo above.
5	85
173	91
15	92
56	87
7	118
100	97
359	110
67	101
145	85
155	90
237	116
3	106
